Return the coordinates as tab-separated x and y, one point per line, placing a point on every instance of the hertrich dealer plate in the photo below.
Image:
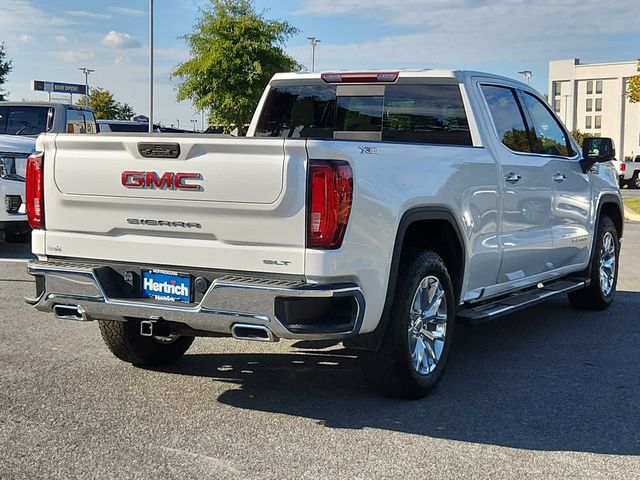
167	286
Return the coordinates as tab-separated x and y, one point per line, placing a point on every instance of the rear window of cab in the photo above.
420	113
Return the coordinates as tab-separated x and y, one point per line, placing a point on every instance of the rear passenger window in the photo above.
425	114
550	138
507	117
298	111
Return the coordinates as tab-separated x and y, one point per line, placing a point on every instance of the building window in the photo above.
589	87
598	104
598	86
587	122
557	89
597	135
556	105
597	121
589	104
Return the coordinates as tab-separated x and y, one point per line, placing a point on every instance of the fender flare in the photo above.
373	340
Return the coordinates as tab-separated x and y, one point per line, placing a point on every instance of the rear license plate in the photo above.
167	286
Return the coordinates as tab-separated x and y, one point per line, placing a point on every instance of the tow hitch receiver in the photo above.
146	327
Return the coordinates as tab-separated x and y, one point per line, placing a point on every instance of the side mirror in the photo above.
596	150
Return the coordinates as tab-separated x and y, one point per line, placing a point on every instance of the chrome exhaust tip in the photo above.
256	333
70	312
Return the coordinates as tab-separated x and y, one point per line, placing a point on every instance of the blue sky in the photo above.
502	36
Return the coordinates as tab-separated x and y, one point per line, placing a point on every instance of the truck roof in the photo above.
10	103
460	75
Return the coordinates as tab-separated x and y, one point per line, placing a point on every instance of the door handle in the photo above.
559	177
512	177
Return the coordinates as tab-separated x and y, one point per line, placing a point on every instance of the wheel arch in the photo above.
449	245
611	206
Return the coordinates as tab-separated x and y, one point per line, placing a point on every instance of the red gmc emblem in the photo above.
166	181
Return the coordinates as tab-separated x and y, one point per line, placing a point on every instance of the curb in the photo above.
631	215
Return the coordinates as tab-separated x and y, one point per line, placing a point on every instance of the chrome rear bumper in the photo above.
229	300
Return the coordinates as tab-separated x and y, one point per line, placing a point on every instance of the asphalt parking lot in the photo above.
548	393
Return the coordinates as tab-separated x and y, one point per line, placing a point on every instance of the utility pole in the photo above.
314	43
150	66
86	72
526	75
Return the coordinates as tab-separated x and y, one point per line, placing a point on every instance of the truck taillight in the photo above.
34	191
623	167
330	190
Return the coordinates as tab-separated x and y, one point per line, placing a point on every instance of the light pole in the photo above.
150	66
526	75
314	43
194	121
86	72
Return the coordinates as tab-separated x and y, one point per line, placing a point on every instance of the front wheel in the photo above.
415	348
604	270
126	343
635	181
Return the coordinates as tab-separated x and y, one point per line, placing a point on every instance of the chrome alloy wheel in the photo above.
607	263
427	325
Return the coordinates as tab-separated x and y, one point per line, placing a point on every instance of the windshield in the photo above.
24	120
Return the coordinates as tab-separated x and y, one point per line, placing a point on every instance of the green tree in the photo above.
234	53
633	89
580	136
5	68
105	106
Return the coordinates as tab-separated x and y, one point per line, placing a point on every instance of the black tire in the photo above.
390	370
635	181
23	237
594	297
126	343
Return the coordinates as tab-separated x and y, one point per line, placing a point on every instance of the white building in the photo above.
591	98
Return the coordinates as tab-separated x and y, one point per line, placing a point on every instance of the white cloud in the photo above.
122	60
75	56
89	15
127	11
15	12
62	38
25	38
120	40
456	32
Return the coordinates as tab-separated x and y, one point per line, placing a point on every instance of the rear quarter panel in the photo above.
388	183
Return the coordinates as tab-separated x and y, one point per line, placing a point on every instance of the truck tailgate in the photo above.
240	205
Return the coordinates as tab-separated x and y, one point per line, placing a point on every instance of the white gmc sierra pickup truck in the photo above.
372	208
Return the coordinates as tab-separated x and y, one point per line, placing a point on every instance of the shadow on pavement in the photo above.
547	379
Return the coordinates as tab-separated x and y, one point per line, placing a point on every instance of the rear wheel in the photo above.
604	270
126	343
416	344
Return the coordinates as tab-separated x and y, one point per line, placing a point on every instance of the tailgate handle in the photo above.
159	150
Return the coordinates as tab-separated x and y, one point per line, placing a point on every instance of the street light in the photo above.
86	72
526	75
194	121
314	43
150	66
